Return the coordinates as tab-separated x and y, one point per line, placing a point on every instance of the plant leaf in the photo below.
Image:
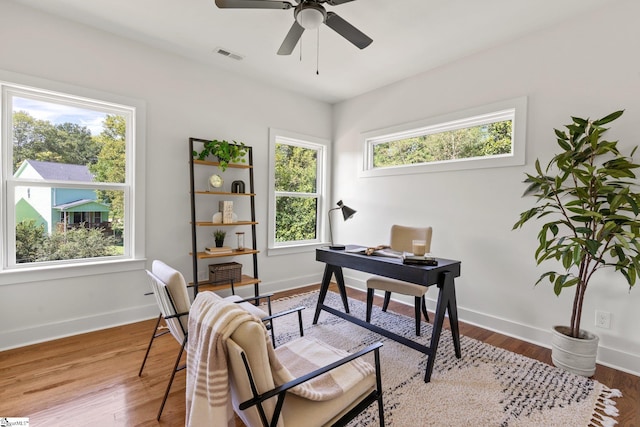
607	119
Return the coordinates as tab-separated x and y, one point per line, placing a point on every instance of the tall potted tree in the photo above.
588	196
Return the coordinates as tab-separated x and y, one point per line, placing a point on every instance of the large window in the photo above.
482	137
67	177
297	183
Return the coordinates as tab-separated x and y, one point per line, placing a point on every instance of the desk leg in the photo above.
446	302
330	270
341	287
452	309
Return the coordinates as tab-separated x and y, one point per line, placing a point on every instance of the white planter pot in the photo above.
576	355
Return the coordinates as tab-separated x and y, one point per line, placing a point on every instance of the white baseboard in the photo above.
34	334
51	331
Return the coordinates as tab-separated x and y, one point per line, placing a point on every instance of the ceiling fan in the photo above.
308	15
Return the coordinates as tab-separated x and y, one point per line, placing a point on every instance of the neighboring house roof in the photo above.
58	171
84	204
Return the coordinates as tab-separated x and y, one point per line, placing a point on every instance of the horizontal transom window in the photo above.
489	136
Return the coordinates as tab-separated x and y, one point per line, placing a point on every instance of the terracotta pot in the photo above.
576	355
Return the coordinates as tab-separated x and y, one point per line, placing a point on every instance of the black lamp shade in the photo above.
347	213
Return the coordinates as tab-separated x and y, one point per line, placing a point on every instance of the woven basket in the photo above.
225	272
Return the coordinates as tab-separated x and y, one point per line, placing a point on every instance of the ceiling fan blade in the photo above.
337	2
253	4
291	40
348	31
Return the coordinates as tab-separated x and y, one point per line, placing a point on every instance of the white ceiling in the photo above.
409	36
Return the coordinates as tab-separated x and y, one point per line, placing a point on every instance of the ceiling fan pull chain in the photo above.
318	54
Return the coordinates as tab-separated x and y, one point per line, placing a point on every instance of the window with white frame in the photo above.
68	175
488	136
297	181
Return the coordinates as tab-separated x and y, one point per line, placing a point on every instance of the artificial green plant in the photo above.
219	235
588	196
225	151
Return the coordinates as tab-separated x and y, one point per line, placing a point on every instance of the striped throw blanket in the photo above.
304	355
212	320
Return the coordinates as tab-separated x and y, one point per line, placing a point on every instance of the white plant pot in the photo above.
576	355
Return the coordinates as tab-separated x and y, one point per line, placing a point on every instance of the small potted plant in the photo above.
589	198
225	151
219	236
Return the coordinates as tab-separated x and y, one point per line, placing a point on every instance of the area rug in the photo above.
489	386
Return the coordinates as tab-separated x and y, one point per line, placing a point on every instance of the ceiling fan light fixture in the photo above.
310	17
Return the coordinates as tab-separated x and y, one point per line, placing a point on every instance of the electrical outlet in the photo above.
603	319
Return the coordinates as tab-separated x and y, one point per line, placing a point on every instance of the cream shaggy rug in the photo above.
489	386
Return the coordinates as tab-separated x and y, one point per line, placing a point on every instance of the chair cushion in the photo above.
174	280
297	410
253	309
398	286
304	355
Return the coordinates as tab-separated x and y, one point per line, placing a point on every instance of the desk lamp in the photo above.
347	213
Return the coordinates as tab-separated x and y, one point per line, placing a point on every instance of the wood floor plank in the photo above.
92	379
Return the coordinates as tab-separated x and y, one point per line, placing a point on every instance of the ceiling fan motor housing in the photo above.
310	14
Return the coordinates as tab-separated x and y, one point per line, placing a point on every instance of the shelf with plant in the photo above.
214	163
205	255
228	154
205	154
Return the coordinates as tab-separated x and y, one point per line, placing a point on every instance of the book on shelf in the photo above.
218	250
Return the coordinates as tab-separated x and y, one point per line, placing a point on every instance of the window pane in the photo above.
472	142
65	223
296	169
56	133
296	218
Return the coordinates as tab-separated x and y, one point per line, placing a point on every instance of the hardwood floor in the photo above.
92	379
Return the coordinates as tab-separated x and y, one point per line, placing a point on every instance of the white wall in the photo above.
183	99
588	67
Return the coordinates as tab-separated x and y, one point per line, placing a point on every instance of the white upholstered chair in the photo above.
258	391
401	240
170	290
174	303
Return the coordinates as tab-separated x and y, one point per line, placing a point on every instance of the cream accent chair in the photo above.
170	290
258	402
401	240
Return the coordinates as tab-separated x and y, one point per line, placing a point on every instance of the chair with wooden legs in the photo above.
401	240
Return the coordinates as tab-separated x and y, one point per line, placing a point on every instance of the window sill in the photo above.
294	249
38	274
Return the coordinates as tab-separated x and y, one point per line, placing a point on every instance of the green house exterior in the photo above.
59	208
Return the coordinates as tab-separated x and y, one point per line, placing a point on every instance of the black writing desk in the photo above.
442	275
